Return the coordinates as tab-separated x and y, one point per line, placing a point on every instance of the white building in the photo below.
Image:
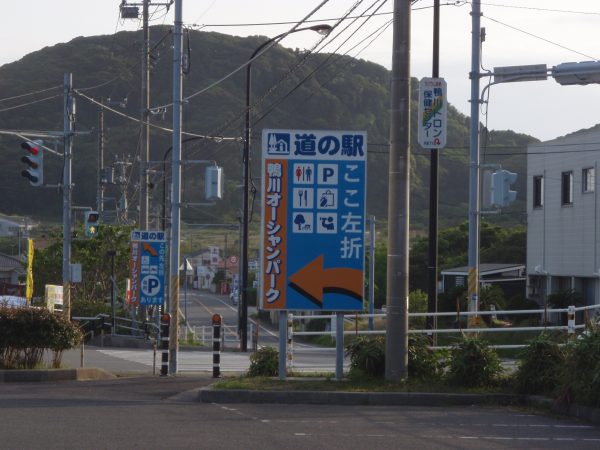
563	214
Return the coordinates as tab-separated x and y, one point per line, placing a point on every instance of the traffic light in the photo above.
502	195
35	162
92	219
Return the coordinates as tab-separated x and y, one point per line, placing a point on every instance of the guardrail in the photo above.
202	335
124	326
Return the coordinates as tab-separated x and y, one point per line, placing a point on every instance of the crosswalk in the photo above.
187	361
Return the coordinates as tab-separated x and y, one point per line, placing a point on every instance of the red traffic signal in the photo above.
35	162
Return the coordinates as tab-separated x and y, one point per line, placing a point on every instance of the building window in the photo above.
538	191
567	188
588	179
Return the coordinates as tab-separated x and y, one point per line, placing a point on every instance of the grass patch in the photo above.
326	382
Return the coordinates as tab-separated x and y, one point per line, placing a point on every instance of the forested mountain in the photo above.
291	89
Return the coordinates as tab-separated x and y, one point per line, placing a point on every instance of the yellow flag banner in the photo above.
29	287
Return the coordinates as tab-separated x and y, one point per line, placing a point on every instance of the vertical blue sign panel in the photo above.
313	219
147	267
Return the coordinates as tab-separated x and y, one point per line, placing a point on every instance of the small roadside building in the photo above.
510	278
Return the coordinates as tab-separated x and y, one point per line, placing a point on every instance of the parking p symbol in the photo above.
328	173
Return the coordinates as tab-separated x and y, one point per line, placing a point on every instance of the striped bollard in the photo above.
290	343
216	323
165	322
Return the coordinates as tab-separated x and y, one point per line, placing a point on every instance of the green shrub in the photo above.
581	376
25	333
367	355
539	370
423	362
473	364
264	363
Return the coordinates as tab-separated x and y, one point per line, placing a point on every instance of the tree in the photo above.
95	287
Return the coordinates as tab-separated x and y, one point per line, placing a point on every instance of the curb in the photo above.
80	374
210	395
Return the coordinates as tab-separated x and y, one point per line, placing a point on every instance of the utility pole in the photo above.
473	277
145	132
100	188
68	118
396	355
176	189
433	190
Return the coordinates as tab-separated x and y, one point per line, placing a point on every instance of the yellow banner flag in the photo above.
29	287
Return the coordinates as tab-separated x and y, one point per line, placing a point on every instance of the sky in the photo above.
518	32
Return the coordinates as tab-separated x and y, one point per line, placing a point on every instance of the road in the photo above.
200	309
162	413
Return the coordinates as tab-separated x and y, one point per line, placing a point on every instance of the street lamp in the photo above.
243	327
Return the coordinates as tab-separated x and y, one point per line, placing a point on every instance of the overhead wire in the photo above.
242	66
33	102
30	93
319	66
288	73
538	37
157	127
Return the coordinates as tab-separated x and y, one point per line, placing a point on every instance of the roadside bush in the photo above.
423	362
264	363
540	367
25	334
473	364
367	355
581	379
417	303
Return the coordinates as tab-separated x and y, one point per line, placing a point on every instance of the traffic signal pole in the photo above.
473	253
68	159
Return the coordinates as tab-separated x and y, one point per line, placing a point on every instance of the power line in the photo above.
30	103
30	93
539	37
591	13
320	66
134	119
233	72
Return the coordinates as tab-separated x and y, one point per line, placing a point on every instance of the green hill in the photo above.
323	92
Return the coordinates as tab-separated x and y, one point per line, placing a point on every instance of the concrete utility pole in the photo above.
433	191
176	189
473	278
396	356
68	118
145	132
100	187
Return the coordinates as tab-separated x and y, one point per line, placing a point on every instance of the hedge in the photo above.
26	333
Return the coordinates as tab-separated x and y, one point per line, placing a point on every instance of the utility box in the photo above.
213	183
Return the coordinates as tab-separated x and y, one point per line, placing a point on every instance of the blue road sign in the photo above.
313	220
147	267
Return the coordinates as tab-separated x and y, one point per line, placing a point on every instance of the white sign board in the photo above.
433	111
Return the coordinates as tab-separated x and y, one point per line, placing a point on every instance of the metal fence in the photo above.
548	322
